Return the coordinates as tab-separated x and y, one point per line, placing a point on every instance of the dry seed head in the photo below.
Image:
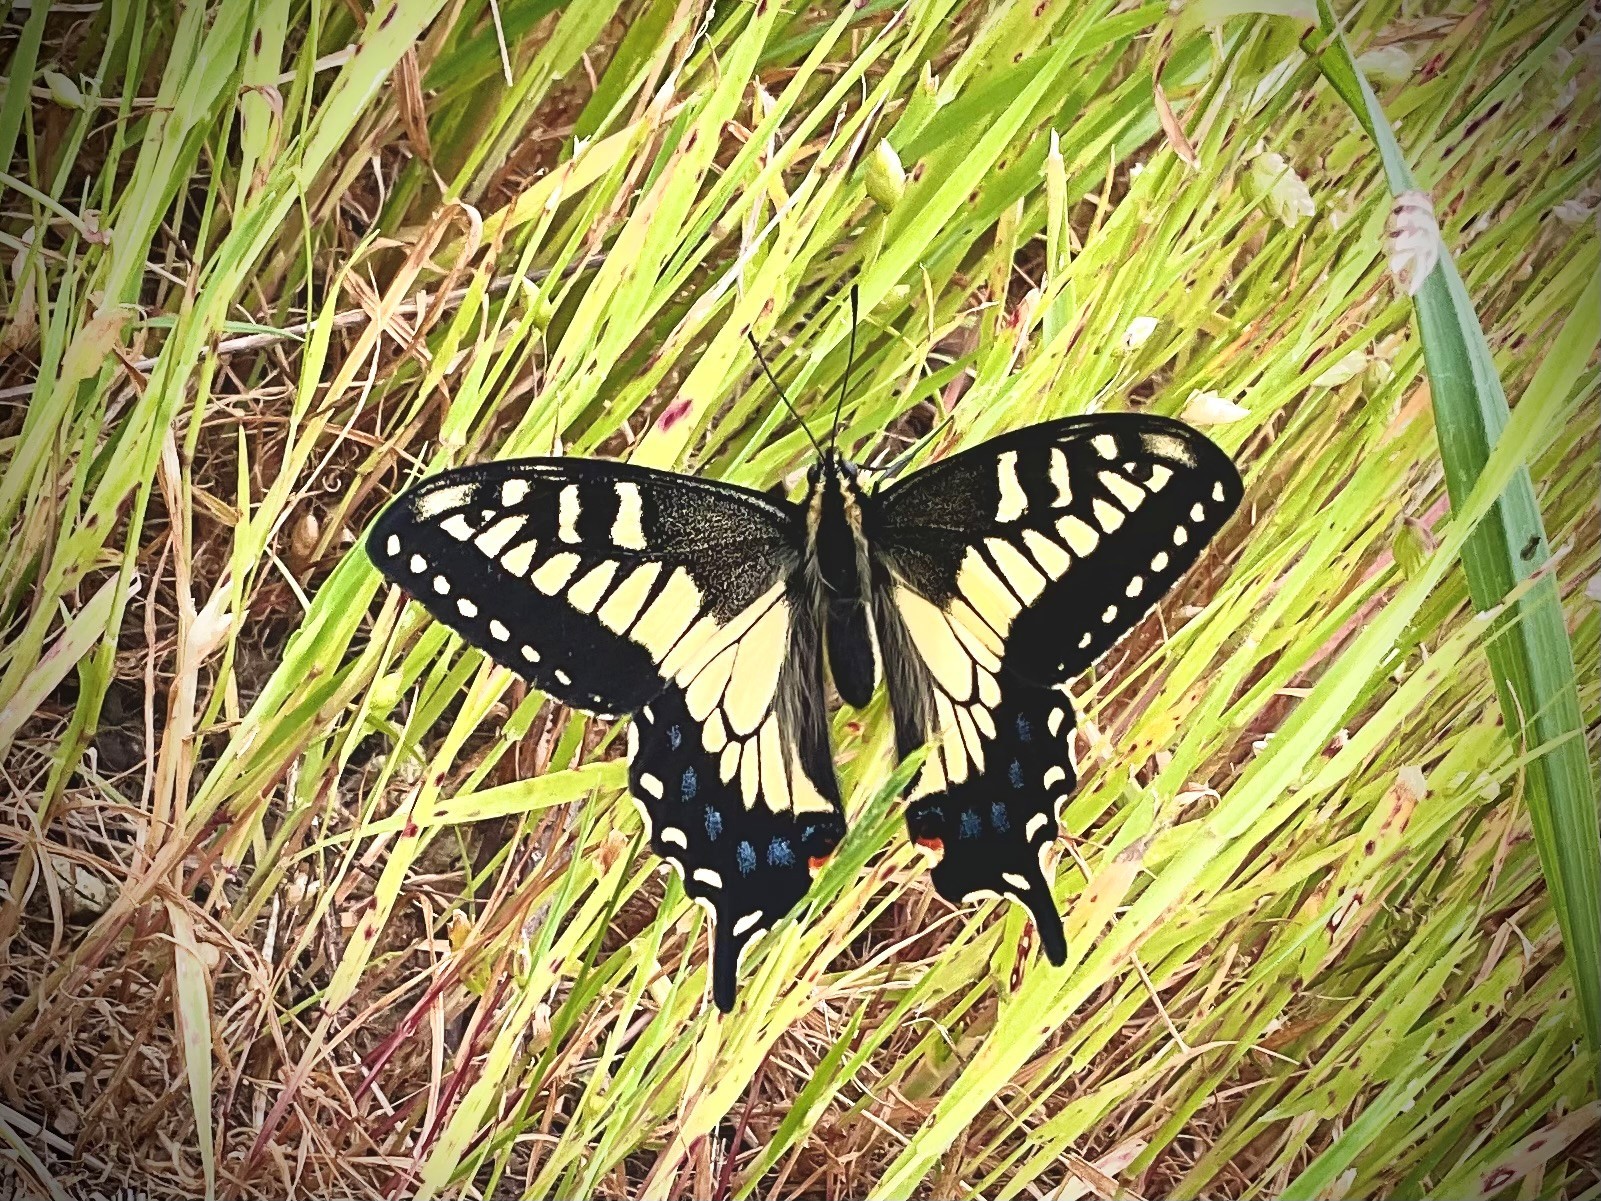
303	537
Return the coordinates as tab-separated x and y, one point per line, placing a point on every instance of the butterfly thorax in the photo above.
840	568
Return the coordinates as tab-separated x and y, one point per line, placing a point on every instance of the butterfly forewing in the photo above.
1002	573
623	590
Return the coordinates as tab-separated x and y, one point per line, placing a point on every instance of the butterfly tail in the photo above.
725	963
1047	922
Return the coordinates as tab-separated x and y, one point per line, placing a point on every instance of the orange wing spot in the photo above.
937	845
818	862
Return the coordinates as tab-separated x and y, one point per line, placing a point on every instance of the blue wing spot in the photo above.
998	817
714	824
674	737
808	832
745	855
972	827
779	854
1015	774
1025	732
689	785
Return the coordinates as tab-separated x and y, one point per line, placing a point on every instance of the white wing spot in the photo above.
493	540
586	593
530	654
1060	478
1035	824
708	877
1053	723
1217	491
1136	585
466	608
1159	478
567	509
1021	576
1197	511
628	530
1016	881
441	499
1047	554
1110	615
554	573
1159	561
1054	775
512	492
441	585
651	784
985	593
1105	445
1131	495
1108	517
1180	535
1085	639
675	836
628	598
746	922
419	564
498	630
562	677
393	545
1166	446
520	557
458	527
1079	535
1014	501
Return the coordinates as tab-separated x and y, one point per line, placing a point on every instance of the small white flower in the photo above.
1139	332
1281	189
1386	65
1344	369
1414	240
1211	408
1575	209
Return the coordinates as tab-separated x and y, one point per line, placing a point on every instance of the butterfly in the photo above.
975	587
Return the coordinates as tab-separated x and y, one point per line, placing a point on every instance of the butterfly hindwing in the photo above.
1001	573
745	817
619	589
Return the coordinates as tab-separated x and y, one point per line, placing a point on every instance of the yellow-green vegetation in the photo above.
300	897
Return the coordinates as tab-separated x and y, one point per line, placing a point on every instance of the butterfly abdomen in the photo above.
840	567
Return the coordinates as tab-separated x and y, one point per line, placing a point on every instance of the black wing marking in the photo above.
619	589
1001	573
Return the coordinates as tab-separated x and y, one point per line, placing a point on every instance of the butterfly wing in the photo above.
619	589
1000	574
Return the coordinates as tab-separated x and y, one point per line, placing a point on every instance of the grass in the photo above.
301	897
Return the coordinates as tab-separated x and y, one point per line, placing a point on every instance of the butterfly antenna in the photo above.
845	380
779	388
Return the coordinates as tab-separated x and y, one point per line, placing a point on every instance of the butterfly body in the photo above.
976	588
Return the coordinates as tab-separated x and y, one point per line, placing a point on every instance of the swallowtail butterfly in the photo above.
976	587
